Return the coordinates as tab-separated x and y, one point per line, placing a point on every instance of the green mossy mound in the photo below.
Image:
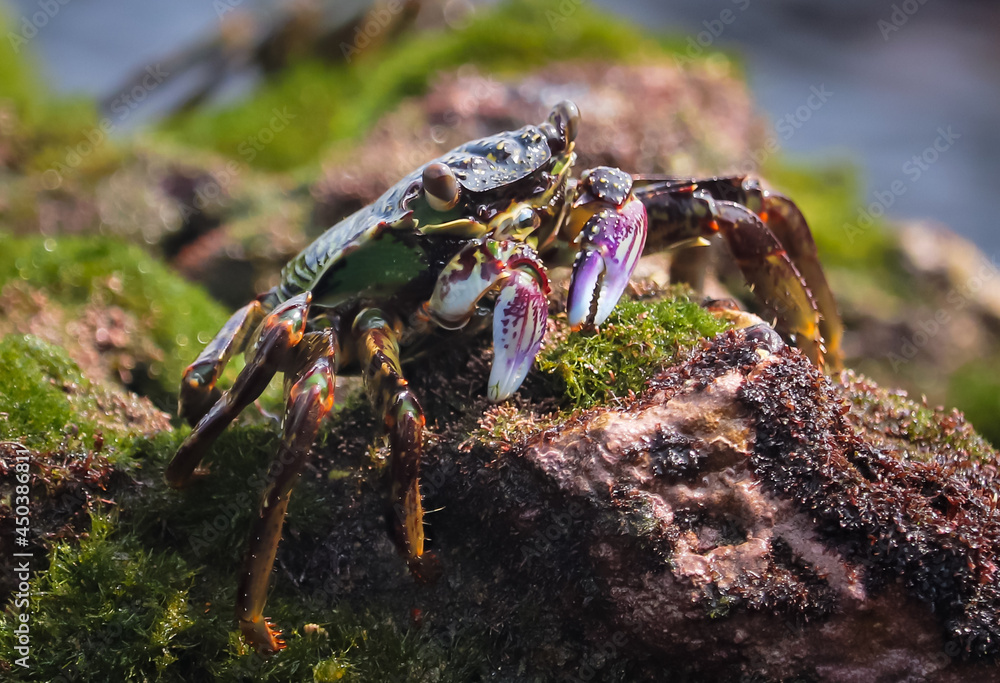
170	319
151	580
41	393
49	406
618	359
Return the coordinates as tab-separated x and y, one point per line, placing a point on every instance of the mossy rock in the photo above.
111	305
155	572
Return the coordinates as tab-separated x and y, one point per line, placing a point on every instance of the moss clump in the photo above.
336	103
106	610
34	403
148	593
174	317
638	340
918	432
47	404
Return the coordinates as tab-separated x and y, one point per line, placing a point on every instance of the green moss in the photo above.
177	317
42	394
149	593
209	521
105	610
975	390
920	432
48	404
638	339
337	103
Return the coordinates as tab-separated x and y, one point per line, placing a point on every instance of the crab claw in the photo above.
611	242
518	327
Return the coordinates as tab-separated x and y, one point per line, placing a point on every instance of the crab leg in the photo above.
785	220
682	213
378	352
310	399
280	332
198	391
520	312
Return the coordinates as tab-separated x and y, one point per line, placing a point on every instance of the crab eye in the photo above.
440	186
526	219
566	118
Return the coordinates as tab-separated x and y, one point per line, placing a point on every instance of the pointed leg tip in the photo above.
263	636
426	568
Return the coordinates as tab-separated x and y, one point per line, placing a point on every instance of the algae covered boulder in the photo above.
748	516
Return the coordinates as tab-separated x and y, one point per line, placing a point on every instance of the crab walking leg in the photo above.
773	276
378	352
198	392
784	218
310	399
280	332
520	312
683	215
786	221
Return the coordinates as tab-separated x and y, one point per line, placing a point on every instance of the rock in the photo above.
743	517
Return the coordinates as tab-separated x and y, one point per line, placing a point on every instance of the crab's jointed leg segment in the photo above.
784	219
772	275
198	391
280	332
378	352
310	399
520	313
680	212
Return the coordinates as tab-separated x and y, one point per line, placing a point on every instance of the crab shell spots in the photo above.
498	160
605	184
479	166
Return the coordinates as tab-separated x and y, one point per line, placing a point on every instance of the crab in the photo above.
477	227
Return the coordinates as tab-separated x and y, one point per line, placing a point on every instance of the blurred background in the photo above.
896	71
222	136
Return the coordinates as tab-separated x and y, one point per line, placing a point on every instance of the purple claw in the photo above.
518	327
612	242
